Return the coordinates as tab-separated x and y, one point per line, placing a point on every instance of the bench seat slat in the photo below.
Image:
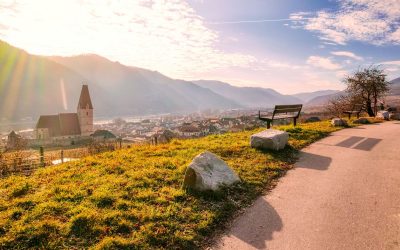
282	112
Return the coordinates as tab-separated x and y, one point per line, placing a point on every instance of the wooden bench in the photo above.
281	112
357	108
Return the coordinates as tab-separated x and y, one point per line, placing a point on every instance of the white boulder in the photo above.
337	122
208	172
269	139
383	115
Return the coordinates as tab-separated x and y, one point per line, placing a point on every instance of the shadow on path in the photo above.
260	225
360	143
313	161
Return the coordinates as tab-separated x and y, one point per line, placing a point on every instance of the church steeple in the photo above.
85	112
84	100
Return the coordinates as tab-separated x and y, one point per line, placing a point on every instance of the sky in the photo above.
289	45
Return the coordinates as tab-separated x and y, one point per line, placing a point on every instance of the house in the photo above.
187	130
15	141
103	135
68	125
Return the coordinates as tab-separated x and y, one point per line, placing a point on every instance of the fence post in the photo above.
41	157
62	156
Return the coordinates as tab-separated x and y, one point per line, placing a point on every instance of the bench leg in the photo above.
349	116
358	115
294	122
268	124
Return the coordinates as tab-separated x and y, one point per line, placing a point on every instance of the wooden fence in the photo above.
23	163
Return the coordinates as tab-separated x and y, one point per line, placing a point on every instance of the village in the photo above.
74	130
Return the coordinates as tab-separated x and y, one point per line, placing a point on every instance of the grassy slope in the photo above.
133	198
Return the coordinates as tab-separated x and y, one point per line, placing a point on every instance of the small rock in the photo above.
208	172
383	115
361	120
394	116
313	119
269	139
338	122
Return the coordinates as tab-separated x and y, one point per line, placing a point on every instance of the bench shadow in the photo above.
368	144
258	226
360	143
313	161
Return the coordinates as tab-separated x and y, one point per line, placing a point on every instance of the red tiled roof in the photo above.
60	125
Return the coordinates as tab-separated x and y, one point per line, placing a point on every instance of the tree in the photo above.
367	86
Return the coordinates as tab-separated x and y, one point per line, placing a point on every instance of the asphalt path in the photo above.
344	193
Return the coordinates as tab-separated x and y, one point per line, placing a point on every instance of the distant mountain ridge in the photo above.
307	96
34	85
394	91
248	96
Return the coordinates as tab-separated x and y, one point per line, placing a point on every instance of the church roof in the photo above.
69	124
60	125
84	99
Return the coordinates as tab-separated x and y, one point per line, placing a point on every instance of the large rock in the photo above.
383	115
338	122
208	172
269	139
361	120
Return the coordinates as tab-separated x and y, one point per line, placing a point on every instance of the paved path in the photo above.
343	194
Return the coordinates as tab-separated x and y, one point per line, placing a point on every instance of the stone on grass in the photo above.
361	120
338	122
269	139
394	116
383	115
313	119
208	172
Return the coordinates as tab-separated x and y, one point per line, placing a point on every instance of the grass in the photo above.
132	198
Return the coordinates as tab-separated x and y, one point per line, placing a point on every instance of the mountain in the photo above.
395	86
32	85
322	100
394	93
307	96
251	97
132	90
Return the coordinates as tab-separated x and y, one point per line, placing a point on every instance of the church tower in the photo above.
85	112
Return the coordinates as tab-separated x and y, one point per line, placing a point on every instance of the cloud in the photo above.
397	63
322	62
370	21
347	54
167	36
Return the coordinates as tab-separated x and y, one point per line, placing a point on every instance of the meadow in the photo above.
133	198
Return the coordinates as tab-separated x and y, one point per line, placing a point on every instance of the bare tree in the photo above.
338	104
367	86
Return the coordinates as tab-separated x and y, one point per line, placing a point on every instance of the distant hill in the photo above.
307	96
32	85
248	96
394	93
395	86
322	100
133	91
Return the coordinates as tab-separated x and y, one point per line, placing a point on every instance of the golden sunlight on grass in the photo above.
133	198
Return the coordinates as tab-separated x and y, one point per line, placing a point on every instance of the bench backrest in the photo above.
285	109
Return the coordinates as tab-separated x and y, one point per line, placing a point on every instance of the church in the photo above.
68	125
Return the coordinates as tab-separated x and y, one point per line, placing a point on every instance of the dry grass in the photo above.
132	198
